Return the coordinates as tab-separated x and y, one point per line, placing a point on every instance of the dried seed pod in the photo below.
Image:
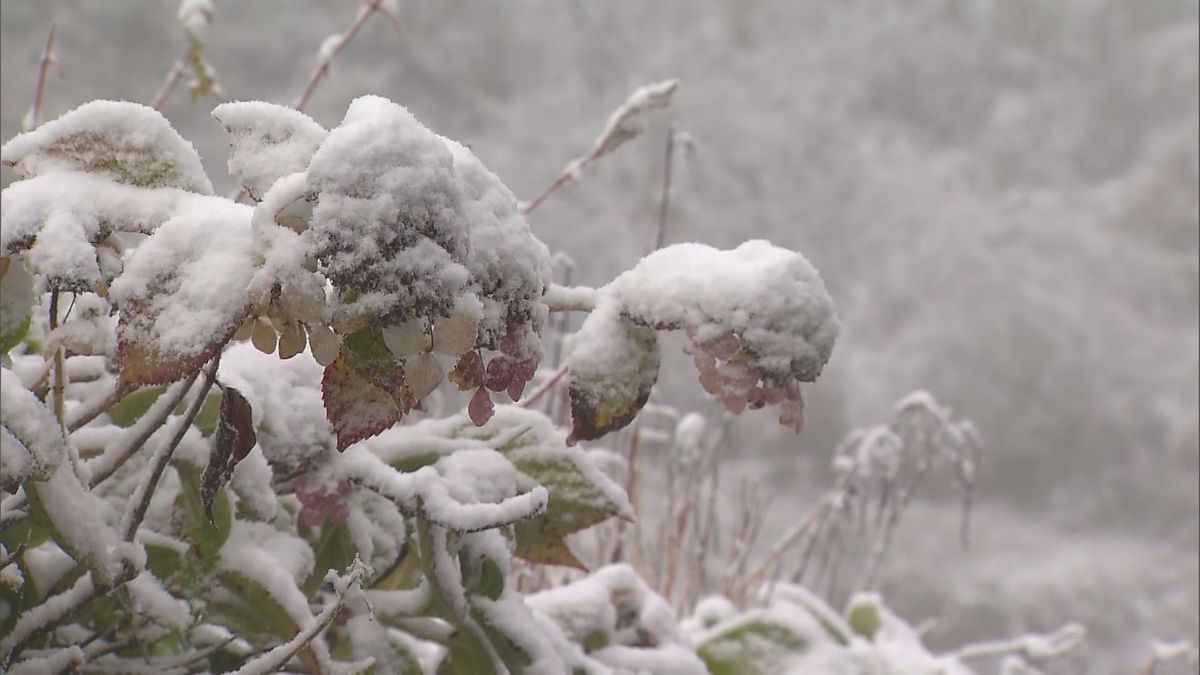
410	337
245	330
455	334
324	344
422	374
263	337
291	340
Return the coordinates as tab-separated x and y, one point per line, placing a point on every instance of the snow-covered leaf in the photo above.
60	218
16	302
614	364
364	389
33	441
124	142
269	141
756	643
183	294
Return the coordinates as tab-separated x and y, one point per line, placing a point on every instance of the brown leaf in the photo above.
235	438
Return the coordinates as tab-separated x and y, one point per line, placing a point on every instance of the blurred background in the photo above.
1002	198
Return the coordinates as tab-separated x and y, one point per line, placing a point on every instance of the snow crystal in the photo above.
125	142
773	299
269	141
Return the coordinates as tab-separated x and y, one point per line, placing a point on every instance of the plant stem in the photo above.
664	204
60	383
172	79
322	69
35	112
141	496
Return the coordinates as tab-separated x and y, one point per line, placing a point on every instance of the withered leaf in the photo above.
235	438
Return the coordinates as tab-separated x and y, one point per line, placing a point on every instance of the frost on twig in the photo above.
625	123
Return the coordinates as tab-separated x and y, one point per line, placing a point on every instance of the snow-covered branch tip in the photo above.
275	659
624	123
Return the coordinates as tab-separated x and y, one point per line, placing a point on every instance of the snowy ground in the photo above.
1001	197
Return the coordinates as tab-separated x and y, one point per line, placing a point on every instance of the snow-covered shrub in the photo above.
217	452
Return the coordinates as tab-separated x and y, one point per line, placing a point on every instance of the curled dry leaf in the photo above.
235	438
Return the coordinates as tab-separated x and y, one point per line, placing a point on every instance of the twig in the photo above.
173	78
143	493
137	435
60	383
275	659
623	124
570	298
48	615
664	203
322	69
544	387
48	60
91	408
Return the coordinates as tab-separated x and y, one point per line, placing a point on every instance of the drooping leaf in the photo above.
580	496
234	439
210	412
183	293
614	364
124	142
16	302
364	388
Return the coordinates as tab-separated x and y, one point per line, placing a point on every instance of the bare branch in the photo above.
35	113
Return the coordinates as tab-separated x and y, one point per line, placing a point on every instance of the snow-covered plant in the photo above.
217	453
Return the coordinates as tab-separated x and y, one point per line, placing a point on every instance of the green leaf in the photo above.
16	302
608	387
334	551
754	646
253	613
579	499
210	412
364	389
133	405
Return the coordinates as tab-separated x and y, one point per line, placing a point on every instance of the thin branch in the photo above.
53	611
275	659
322	69
570	298
141	496
60	382
664	203
137	435
173	78
48	60
544	387
90	409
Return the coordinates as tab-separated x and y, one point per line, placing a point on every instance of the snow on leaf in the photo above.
61	217
758	642
234	439
771	299
33	441
183	294
614	364
124	142
269	141
16	302
388	226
